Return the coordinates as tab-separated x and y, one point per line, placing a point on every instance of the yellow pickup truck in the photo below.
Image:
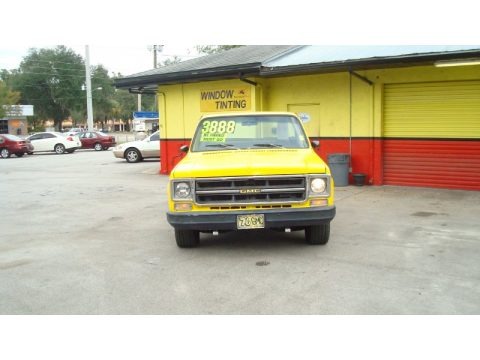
247	171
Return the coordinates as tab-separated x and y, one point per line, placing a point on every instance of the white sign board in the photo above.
18	110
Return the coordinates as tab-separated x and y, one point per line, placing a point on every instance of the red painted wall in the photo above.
170	153
416	162
365	155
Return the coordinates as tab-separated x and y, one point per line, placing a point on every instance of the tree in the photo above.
102	94
174	60
7	98
125	103
213	49
51	80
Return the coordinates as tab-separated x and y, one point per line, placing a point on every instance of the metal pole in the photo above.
155	65
350	142
154	56
88	83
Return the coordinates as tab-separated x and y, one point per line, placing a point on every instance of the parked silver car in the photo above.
135	151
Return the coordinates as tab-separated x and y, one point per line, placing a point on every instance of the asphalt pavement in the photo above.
86	233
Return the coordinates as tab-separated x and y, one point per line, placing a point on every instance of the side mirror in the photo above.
315	144
184	148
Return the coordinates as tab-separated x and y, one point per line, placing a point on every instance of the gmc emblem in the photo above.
250	191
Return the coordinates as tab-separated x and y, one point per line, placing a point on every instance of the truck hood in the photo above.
250	162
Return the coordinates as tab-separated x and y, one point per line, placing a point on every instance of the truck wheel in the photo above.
318	234
187	238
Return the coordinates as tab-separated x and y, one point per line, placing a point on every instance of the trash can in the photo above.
359	179
339	165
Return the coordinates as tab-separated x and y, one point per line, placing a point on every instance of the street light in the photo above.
98	88
89	104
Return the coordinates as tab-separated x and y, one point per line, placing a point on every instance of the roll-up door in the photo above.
432	134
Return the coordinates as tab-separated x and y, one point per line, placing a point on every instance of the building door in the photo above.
432	134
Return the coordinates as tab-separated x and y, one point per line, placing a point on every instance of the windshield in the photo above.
249	132
12	137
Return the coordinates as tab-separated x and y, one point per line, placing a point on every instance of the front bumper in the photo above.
119	153
277	218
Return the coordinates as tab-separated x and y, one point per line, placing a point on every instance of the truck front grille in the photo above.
246	190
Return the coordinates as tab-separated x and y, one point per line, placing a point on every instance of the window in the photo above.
36	137
12	137
155	137
247	132
3	126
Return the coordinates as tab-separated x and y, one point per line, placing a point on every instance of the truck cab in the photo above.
247	171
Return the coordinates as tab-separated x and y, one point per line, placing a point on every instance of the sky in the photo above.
124	59
119	35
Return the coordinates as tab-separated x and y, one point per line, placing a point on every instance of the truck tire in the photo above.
187	238
318	234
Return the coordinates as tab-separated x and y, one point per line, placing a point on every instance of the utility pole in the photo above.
88	84
156	48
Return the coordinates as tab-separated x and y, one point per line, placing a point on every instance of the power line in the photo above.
51	74
30	61
51	61
57	68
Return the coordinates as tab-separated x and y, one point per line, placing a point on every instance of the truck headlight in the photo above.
182	190
318	185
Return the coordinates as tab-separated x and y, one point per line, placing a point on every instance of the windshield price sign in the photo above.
217	131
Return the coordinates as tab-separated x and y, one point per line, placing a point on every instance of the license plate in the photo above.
256	221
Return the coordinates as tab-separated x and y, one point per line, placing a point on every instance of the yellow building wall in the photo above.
334	110
327	100
330	93
180	105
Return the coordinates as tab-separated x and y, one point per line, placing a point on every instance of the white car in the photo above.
54	141
74	131
135	151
